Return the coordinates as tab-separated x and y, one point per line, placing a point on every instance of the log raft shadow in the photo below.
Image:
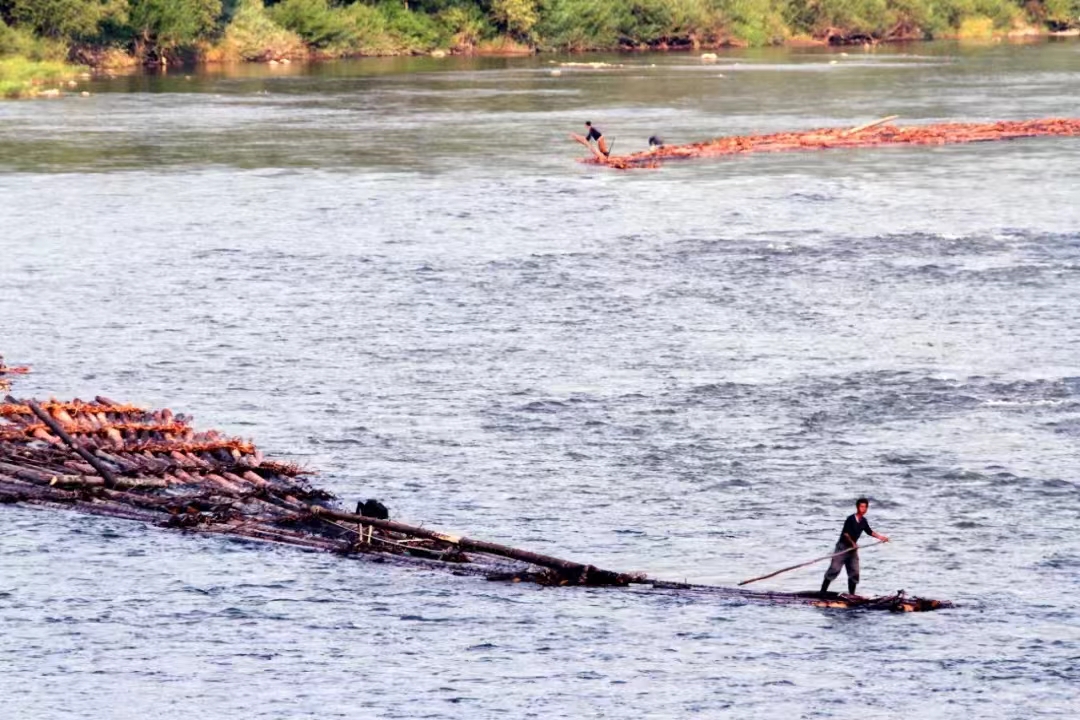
117	460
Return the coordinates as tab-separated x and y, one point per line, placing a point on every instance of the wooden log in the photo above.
103	471
25	473
156	463
235	479
224	484
124	511
79	467
76	481
42	434
256	480
197	462
186	477
279	513
159	503
141	482
26	491
125	464
271	536
61	416
462	542
171	480
598	156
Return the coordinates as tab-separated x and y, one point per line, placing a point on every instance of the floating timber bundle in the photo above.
103	457
875	134
6	372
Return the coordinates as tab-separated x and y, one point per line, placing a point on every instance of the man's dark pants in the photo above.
849	560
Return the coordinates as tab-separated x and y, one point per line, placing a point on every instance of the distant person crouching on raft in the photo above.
655	143
593	133
854	526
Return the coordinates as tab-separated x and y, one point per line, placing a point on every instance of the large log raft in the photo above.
873	134
107	458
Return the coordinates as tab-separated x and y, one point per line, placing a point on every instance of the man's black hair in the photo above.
588	123
862	500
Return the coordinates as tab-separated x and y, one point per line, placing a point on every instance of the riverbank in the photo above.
22	77
126	33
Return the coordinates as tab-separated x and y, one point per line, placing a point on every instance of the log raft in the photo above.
105	458
879	133
6	373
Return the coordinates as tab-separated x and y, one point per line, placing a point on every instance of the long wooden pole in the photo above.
104	472
808	562
597	153
867	126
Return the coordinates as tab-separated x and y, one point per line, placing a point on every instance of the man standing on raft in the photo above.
854	526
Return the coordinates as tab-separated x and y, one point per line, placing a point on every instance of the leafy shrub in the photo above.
755	22
1061	14
1001	13
252	35
914	18
412	31
517	17
17	41
65	19
371	31
465	26
818	18
976	27
579	24
168	24
319	24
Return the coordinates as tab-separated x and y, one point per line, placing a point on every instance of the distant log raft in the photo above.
874	134
6	372
106	458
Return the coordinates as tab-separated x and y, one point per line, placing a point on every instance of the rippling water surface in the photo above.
404	280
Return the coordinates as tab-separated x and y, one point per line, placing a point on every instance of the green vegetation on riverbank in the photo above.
20	77
31	65
110	32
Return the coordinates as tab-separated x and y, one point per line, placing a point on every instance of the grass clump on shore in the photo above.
22	77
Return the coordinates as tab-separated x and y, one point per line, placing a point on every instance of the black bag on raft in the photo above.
373	509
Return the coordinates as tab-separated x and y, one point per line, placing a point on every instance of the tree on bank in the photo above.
161	26
62	19
516	17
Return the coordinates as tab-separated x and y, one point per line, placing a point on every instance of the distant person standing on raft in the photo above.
854	527
593	133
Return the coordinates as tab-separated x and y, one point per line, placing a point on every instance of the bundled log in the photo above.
5	371
873	134
122	461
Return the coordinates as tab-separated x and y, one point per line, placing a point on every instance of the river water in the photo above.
395	272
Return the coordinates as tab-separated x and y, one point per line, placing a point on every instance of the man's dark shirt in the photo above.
854	528
594	134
